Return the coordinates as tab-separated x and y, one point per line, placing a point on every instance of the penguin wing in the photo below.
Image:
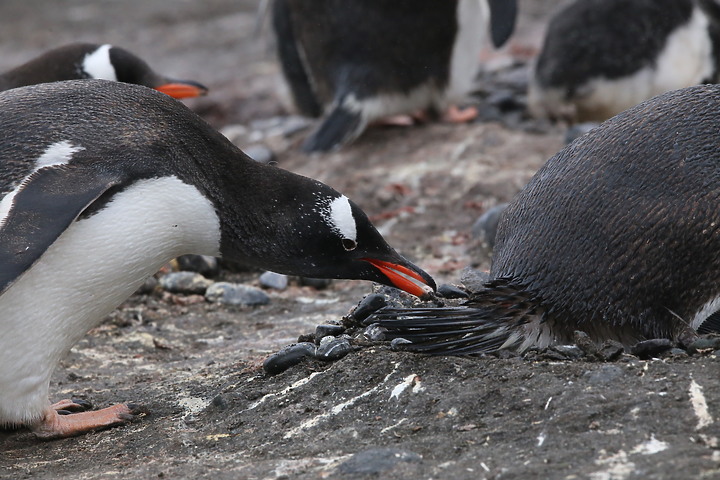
288	48
44	205
502	20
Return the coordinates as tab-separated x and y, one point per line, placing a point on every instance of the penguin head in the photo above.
132	69
305	227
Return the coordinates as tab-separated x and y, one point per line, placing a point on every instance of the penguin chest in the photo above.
94	265
472	34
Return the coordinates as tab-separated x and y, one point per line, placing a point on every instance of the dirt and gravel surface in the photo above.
375	413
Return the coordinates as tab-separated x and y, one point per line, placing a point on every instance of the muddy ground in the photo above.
375	413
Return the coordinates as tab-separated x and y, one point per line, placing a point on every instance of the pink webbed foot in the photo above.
58	422
455	114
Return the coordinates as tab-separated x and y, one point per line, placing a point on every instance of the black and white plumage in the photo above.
617	235
355	61
601	57
103	62
102	183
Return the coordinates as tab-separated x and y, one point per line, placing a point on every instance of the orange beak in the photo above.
403	277
182	89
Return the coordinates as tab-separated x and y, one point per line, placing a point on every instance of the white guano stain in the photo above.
699	404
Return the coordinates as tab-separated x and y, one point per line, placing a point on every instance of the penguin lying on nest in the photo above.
104	62
601	57
101	184
356	61
618	235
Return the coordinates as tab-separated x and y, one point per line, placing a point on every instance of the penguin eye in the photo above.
349	244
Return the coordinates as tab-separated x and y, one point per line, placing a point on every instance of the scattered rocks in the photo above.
273	280
376	461
185	282
374	333
451	291
236	294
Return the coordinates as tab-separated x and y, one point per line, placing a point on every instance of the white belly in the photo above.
93	267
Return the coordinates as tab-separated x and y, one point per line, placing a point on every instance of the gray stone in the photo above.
335	349
377	460
236	294
446	290
474	280
367	306
287	357
485	227
185	282
278	281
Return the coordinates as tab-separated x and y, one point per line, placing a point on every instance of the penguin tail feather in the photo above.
344	123
495	321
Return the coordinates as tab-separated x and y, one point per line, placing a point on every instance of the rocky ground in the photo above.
375	413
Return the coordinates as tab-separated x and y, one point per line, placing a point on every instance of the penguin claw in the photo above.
71	405
61	423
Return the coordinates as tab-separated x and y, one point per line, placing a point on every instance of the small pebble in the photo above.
368	305
451	291
569	351
316	283
610	350
203	264
375	333
398	343
287	357
277	281
651	348
376	461
586	344
485	227
704	343
148	285
333	350
185	282
473	280
236	294
322	331
260	153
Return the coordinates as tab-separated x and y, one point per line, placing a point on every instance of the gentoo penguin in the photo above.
87	60
617	235
96	198
355	61
601	57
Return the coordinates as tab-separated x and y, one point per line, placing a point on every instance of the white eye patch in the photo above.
337	213
98	65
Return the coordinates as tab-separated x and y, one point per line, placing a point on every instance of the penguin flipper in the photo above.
298	78
502	20
344	123
45	204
